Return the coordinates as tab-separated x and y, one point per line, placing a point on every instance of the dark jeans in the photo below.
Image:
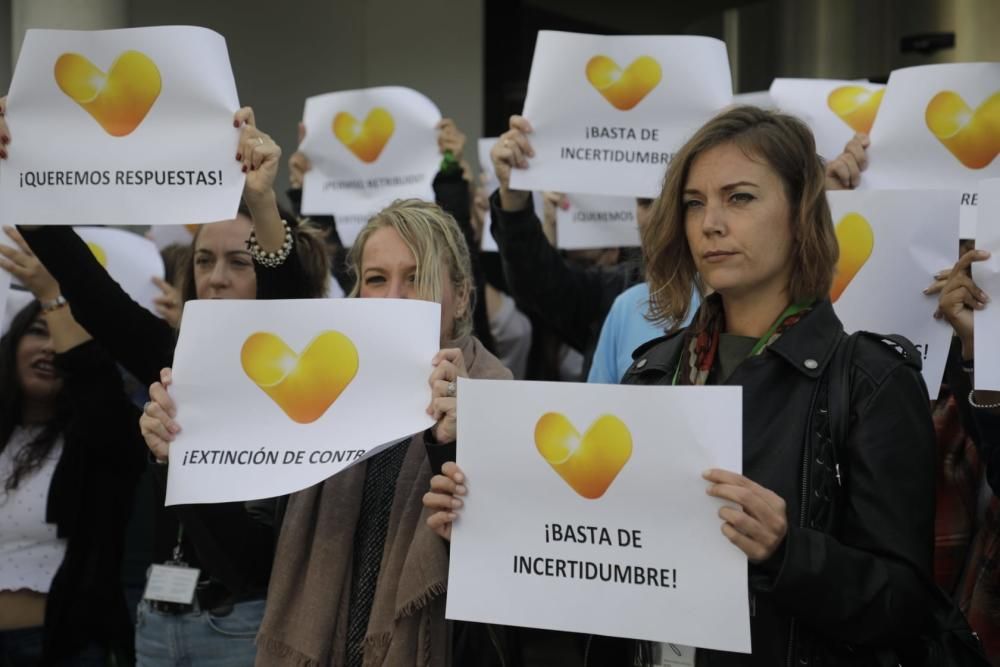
23	648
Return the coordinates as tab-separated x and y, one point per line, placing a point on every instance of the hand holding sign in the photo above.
157	423
961	297
512	150
23	265
757	524
444	498
449	365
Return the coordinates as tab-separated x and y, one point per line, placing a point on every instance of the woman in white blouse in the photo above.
69	462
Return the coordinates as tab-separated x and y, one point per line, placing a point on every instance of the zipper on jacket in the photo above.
803	511
496	645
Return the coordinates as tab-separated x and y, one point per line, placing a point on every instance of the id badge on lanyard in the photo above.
673	655
174	581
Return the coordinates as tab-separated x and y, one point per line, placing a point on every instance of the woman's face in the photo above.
223	268
39	379
738	223
389	270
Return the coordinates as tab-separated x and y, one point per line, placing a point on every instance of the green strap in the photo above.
793	309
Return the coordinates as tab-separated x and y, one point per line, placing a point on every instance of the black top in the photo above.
232	548
573	301
89	501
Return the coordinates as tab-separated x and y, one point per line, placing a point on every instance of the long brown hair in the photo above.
785	144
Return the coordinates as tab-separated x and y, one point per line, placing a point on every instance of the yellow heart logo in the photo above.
99	254
972	136
588	464
118	100
856	106
623	88
305	385
366	140
856	240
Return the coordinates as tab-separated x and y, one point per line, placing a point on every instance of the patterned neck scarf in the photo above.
701	344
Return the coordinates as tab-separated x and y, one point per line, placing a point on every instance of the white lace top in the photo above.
30	552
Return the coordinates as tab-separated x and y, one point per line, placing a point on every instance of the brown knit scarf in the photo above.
305	624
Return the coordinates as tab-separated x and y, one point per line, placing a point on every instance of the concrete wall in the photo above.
283	52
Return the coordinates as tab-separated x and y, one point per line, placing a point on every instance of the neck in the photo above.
36	412
752	315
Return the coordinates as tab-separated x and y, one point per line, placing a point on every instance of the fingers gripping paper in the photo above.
288	393
144	122
581	516
608	113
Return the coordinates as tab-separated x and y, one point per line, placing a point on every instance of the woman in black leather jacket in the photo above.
837	526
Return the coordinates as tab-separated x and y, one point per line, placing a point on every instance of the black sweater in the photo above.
232	548
90	499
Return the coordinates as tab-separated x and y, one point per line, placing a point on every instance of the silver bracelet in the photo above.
981	406
270	259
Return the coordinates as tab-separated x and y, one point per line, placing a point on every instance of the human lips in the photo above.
715	256
45	368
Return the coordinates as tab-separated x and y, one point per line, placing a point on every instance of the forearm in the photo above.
267	223
66	332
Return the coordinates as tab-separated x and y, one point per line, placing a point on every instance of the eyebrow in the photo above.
724	188
382	269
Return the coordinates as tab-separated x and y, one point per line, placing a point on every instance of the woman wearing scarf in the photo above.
358	579
839	550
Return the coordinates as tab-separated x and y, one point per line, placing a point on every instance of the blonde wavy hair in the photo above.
437	243
786	145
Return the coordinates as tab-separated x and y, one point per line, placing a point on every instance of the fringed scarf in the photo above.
305	624
701	341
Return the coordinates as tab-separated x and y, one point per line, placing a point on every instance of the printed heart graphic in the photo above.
589	464
303	385
118	100
856	106
972	136
102	257
856	240
624	89
366	140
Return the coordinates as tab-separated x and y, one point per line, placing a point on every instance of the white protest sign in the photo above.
938	127
608	533
833	109
367	148
490	183
122	127
128	258
289	392
608	113
987	277
594	221
758	98
5	280
892	242
163	236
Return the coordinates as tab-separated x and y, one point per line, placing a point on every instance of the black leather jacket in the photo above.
842	594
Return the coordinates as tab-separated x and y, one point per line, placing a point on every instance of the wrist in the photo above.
513	200
53	304
260	202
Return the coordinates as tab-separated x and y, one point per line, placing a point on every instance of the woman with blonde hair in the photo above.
358	579
836	524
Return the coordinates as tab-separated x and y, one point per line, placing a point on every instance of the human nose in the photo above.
397	289
219	276
713	221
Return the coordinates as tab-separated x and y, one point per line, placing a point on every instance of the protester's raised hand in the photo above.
961	297
298	163
260	157
449	365
4	132
450	138
844	172
168	304
444	498
756	522
512	150
157	421
21	263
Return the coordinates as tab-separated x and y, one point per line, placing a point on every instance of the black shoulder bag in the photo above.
948	641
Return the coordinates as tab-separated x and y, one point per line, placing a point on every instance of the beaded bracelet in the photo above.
54	305
270	259
981	406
